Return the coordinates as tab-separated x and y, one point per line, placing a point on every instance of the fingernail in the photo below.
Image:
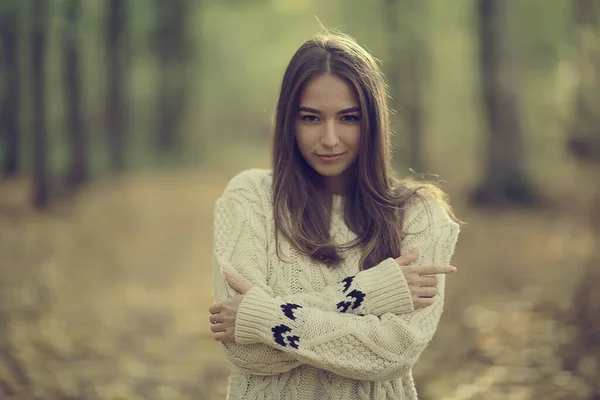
453	269
227	274
413	251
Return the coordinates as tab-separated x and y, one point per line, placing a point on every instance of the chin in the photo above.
330	171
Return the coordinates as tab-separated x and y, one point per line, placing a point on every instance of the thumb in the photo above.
408	258
237	283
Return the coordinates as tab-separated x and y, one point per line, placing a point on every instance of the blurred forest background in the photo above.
121	121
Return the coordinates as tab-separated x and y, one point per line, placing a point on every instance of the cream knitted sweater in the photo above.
306	331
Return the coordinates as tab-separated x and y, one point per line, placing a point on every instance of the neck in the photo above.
337	185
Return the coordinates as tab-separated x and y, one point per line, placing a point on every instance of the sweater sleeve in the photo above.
379	290
358	347
240	244
242	247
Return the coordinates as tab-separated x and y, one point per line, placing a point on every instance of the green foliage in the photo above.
242	47
539	31
8	9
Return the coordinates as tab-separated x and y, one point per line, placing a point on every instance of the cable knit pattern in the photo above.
305	331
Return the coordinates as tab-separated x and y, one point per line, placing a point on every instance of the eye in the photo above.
309	118
351	118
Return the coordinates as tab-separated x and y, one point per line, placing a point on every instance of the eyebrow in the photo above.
315	111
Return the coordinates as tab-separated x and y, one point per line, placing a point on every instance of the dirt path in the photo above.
108	295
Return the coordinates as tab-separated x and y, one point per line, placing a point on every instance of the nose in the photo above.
330	137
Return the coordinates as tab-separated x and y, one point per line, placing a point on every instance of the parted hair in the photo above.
375	202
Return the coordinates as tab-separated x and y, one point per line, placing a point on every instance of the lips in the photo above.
330	158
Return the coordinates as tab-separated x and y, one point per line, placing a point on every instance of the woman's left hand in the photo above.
223	314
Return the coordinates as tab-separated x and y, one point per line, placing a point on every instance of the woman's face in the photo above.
328	129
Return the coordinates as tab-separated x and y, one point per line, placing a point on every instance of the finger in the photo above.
434	269
408	258
215	308
219	336
428	280
224	337
423	302
427	291
237	283
218	328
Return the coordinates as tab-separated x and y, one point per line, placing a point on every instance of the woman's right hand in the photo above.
422	279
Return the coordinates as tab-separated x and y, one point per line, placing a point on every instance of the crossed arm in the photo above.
380	291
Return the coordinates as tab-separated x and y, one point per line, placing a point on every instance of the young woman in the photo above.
328	273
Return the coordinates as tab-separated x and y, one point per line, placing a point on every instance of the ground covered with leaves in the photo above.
106	296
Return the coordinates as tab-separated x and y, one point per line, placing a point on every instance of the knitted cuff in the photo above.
255	316
388	290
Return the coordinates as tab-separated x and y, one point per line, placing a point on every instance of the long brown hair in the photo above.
375	204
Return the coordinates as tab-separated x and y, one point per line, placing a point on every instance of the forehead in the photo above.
328	93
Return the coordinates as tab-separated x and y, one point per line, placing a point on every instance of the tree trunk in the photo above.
505	181
584	144
173	56
581	354
405	65
585	128
77	172
38	79
9	105
115	99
